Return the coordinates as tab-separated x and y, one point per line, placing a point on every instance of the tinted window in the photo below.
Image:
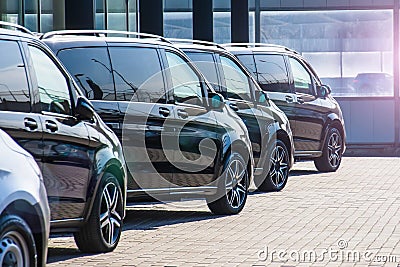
237	83
272	73
90	67
53	87
302	79
185	83
137	74
14	91
206	64
248	62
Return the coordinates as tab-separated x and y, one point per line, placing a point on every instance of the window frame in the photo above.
240	66
314	81
36	108
27	70
170	93
113	45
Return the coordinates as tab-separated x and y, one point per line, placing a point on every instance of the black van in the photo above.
177	134
315	117
272	150
80	158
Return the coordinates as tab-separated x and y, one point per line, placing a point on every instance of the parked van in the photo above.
81	159
180	139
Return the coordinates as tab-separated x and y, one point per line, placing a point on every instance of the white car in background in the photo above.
24	210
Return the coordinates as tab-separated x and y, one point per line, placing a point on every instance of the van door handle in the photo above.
182	113
51	126
163	112
300	100
30	124
289	99
233	106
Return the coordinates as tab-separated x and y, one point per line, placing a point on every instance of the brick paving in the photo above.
347	218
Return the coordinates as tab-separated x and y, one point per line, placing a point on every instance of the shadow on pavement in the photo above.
62	254
302	172
152	219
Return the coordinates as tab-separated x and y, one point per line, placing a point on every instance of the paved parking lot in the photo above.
347	218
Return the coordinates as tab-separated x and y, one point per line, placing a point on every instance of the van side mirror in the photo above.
84	110
262	97
215	100
323	91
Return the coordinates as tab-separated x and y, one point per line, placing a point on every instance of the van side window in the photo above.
272	73
185	82
248	62
91	69
14	90
137	74
206	64
53	87
237	83
302	78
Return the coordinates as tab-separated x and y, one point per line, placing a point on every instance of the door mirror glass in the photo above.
215	100
261	97
84	110
323	91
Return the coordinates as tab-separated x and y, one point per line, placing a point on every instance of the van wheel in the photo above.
234	183
17	245
102	231
332	152
278	173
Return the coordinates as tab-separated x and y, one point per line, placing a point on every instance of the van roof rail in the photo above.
199	42
248	45
102	33
7	25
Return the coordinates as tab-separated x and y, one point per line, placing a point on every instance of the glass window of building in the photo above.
178	19
31	15
46	16
11	11
351	50
100	22
132	17
116	15
222	21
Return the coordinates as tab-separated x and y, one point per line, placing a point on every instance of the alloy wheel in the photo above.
236	183
334	149
279	166
110	214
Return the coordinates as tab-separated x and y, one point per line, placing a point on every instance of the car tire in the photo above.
233	187
331	153
17	245
278	173
102	231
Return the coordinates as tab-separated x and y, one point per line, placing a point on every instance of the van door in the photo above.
141	97
196	143
273	77
16	117
67	160
308	113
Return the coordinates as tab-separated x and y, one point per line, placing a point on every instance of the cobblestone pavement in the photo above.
347	218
